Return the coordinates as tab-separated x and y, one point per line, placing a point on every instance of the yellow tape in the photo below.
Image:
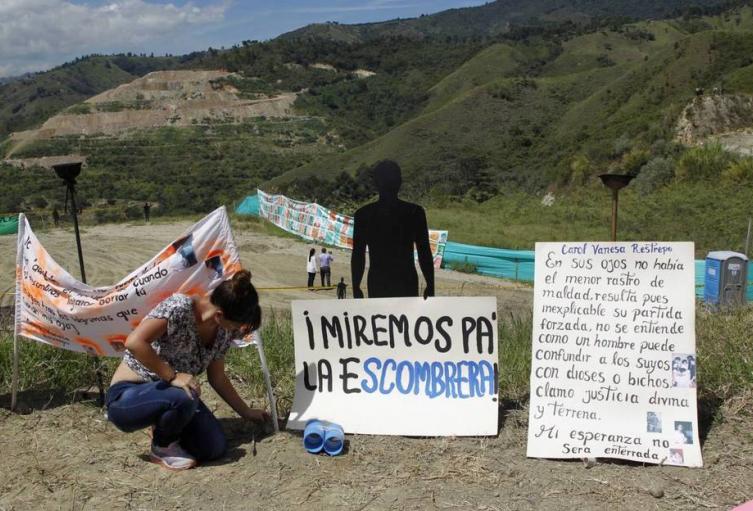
319	288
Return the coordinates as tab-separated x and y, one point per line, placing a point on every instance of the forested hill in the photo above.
541	107
552	108
28	101
503	16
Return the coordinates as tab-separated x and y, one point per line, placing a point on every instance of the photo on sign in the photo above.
683	433
184	256
676	457
683	371
653	422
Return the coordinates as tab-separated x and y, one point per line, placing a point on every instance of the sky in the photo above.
36	35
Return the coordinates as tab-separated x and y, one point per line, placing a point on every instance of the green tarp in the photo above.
8	225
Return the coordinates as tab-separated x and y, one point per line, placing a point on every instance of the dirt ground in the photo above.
65	455
110	253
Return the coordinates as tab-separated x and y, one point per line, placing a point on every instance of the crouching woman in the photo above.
155	384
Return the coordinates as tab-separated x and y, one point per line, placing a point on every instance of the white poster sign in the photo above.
613	370
397	366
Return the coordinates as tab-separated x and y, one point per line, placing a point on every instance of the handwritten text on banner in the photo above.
613	358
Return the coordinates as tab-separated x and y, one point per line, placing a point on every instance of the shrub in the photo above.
634	160
133	212
653	175
39	202
464	267
580	170
103	216
740	171
704	162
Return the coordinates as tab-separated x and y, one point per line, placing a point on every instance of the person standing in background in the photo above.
311	267
147	209
56	217
325	262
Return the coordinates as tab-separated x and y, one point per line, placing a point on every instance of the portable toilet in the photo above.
726	278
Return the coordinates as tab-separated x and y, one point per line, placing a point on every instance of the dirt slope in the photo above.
161	98
725	118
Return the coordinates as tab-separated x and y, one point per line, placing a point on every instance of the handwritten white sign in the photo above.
613	370
397	366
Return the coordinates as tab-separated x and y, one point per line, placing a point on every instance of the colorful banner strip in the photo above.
316	223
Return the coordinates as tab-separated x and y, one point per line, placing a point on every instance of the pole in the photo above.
267	381
72	190
614	214
97	366
747	239
14	384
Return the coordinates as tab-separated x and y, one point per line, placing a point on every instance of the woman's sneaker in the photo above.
172	457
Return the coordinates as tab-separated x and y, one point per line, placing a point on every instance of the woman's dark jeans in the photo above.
175	416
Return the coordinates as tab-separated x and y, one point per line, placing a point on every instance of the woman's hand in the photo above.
188	383
257	415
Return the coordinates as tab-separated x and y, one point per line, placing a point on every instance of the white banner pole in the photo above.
14	384
267	381
20	233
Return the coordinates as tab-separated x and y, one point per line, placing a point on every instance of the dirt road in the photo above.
112	251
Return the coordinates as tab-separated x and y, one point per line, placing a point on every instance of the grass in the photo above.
724	350
712	214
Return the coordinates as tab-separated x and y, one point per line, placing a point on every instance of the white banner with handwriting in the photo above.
613	370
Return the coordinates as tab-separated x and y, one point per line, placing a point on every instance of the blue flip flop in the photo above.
334	439
313	436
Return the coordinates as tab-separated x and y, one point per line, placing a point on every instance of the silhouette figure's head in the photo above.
388	178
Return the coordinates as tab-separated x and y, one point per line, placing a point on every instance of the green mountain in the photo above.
543	105
502	16
526	113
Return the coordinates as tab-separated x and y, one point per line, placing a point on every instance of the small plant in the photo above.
464	267
740	171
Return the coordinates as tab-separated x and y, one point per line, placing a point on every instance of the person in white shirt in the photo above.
311	267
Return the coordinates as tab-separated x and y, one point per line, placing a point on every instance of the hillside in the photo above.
27	101
471	120
502	16
525	112
161	98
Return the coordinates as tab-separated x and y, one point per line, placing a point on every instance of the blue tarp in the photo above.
496	262
249	206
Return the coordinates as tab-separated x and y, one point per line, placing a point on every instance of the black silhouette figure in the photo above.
147	210
341	289
390	228
56	217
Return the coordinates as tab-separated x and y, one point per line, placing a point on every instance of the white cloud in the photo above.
36	32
